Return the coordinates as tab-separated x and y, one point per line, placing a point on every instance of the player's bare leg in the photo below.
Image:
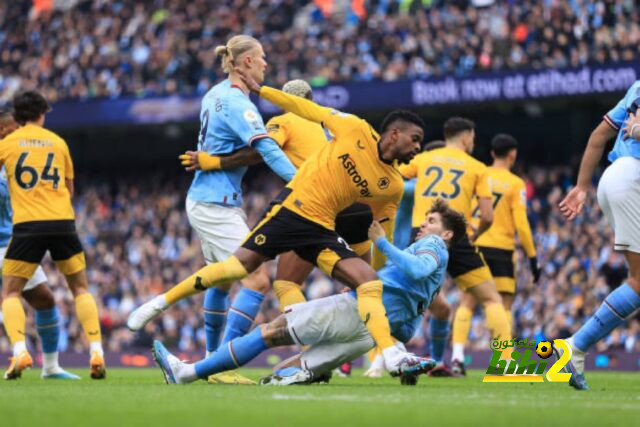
15	324
87	312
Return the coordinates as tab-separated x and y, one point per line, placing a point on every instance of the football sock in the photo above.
498	324
288	293
14	319
219	273
233	354
87	312
509	319
439	331
215	310
614	309
242	313
373	314
48	327
461	325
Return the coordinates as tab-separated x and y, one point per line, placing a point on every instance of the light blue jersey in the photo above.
6	215
402	229
411	279
624	147
229	121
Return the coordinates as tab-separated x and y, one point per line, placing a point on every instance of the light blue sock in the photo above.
241	314
233	354
439	331
614	310
48	326
215	310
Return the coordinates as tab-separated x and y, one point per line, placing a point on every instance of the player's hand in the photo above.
573	203
190	160
375	231
249	82
535	269
632	120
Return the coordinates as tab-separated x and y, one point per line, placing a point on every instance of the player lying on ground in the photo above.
619	199
331	326
359	165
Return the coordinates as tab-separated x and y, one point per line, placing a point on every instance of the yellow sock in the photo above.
87	312
497	321
219	273
373	314
14	319
373	353
288	293
509	319
461	325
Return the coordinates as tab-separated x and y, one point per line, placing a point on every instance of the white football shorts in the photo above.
37	278
221	229
332	327
619	199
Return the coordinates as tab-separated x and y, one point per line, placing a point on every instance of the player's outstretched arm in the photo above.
416	267
201	160
573	203
302	107
275	158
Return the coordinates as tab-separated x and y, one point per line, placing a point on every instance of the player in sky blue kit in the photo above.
35	292
229	125
331	327
619	198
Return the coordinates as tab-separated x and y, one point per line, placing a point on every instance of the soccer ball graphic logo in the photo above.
544	349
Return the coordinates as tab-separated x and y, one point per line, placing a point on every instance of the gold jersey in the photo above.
448	173
299	138
37	163
343	172
509	213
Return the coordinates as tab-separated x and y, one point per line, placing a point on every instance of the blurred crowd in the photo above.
138	243
98	48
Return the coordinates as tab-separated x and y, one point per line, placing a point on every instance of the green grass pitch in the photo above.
140	397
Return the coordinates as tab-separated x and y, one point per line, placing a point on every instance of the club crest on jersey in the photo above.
383	183
260	239
350	166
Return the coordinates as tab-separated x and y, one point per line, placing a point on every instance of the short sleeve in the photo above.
483	186
615	117
246	122
278	130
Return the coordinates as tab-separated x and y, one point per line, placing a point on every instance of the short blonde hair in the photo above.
236	46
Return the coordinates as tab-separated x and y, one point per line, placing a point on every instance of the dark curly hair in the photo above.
28	106
451	219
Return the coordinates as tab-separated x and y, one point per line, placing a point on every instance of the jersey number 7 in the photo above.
23	170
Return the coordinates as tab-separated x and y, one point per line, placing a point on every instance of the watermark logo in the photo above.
512	361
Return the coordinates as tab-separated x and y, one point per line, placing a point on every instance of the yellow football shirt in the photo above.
509	213
346	171
299	138
448	173
37	163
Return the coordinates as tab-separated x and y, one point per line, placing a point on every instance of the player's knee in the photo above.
440	309
40	298
258	281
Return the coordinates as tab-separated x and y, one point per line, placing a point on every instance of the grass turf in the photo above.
140	397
